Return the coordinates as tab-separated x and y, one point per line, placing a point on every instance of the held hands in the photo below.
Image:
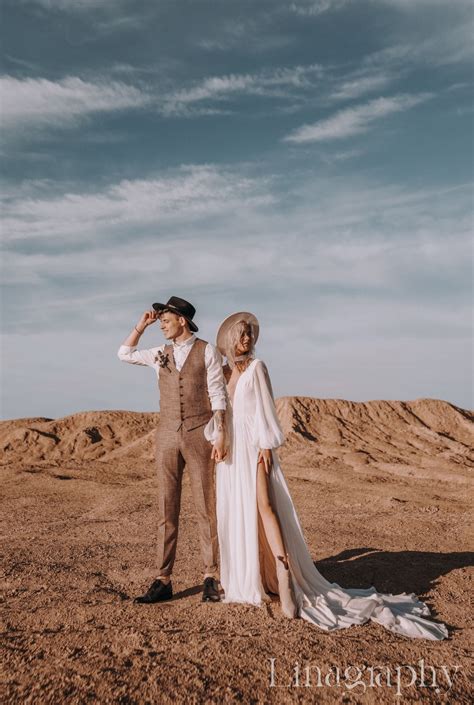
148	317
219	446
265	456
219	450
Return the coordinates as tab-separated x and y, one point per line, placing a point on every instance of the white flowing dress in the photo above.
254	424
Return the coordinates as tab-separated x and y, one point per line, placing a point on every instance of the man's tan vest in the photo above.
184	398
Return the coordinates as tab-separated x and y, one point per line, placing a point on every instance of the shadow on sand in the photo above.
188	592
391	572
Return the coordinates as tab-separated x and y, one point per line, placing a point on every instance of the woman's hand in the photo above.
148	317
265	456
219	450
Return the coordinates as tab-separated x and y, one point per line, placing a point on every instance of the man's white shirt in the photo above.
212	359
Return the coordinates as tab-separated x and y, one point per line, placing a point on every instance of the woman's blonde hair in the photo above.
233	337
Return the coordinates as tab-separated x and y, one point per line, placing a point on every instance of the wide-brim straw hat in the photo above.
231	320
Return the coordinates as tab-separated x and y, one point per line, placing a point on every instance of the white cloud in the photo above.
376	274
359	85
76	5
277	82
245	32
40	102
384	244
188	194
354	121
452	45
313	8
211	224
414	5
419	41
341	156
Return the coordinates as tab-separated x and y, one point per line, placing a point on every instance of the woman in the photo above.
261	542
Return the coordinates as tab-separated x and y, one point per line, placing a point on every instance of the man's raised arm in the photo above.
127	351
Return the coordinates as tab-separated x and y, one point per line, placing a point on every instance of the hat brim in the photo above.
227	324
173	309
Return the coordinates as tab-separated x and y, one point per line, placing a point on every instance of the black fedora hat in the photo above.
181	307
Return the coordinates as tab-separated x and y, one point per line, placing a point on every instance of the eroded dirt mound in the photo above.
388	434
425	433
84	436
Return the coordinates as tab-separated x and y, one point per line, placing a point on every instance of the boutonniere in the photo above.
163	360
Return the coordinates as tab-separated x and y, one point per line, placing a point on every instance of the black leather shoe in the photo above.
157	592
210	591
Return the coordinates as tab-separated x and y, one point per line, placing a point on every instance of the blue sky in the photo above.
310	161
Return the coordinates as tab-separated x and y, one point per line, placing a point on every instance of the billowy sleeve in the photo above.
267	432
211	432
126	353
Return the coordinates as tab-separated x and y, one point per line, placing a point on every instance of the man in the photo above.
192	390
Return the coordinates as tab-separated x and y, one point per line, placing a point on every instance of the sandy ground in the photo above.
382	491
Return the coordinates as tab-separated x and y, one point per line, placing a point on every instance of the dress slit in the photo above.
267	567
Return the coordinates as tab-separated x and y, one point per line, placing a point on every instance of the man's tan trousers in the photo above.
176	450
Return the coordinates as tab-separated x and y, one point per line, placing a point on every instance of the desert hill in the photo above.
425	437
386	433
84	436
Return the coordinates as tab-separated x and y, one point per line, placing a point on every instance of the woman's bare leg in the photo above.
269	518
274	536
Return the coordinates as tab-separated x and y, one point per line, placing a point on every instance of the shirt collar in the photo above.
188	341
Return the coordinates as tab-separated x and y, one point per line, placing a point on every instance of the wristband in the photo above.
140	332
